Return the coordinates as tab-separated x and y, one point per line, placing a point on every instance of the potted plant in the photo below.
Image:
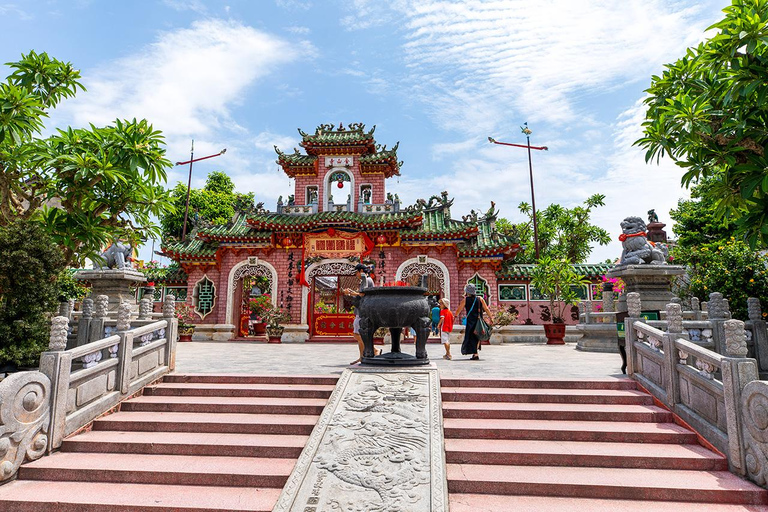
501	317
275	319
556	279
186	317
259	307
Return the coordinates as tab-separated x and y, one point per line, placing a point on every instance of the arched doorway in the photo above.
435	271
329	312
249	278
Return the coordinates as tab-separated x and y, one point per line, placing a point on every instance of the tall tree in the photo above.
215	203
564	233
88	186
708	112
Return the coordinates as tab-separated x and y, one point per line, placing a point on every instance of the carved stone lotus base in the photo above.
652	282
114	283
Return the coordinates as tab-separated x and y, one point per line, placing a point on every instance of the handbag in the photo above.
482	329
464	320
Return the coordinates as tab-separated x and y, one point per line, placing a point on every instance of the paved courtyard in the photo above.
512	360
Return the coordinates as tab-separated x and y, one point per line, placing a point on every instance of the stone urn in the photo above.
395	307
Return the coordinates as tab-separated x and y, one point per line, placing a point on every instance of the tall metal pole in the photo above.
189	181
189	186
527	133
533	199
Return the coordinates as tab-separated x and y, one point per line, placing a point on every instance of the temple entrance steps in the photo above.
199	443
596	445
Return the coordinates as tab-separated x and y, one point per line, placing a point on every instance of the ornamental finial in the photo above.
674	318
59	330
735	338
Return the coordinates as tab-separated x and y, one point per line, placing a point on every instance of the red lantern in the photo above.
340	184
286	242
381	239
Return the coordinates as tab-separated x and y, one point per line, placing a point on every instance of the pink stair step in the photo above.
581	396
215	404
160	469
595	454
226	390
186	443
498	503
553	411
601	383
239	378
616	483
234	423
54	496
555	430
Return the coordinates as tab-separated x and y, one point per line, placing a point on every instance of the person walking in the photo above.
361	272
474	306
445	326
436	318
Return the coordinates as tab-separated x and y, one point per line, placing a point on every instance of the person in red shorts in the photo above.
445	326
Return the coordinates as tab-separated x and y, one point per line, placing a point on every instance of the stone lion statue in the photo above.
637	249
117	255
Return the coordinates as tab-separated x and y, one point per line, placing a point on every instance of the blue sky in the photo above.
438	76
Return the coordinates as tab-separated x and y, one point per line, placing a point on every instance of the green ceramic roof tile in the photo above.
285	221
194	247
239	228
330	134
523	271
166	275
435	224
295	158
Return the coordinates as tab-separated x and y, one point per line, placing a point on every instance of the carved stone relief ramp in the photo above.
378	447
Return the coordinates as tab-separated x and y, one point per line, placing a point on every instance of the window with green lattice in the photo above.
204	297
481	285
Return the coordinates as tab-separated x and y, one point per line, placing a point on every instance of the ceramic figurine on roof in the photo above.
300	254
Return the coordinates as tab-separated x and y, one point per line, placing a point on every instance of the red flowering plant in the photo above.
260	306
186	317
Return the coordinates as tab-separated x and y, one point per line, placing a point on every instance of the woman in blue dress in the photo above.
474	306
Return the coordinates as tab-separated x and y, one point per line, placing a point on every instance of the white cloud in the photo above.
8	9
298	30
187	5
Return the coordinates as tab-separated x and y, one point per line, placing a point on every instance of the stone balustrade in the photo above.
38	409
719	395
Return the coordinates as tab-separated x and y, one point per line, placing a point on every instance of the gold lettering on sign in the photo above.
338	245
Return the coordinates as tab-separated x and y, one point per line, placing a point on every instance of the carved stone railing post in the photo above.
171	331
65	309
718	314
737	372
586	310
25	420
125	347
84	325
671	355
759	332
56	365
696	308
608	305
633	315
100	305
145	309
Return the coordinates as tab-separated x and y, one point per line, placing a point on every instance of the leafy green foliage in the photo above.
68	287
733	269
29	266
215	203
563	232
708	112
88	186
556	278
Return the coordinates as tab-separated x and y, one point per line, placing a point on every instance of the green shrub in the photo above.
30	264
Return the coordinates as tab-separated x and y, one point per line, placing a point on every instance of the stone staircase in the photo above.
190	443
595	445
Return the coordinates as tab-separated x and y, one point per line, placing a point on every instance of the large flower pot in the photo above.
275	334
555	334
260	329
185	334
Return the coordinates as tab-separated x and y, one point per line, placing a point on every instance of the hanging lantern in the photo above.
381	239
340	184
286	242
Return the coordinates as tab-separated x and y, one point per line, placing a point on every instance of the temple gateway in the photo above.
302	255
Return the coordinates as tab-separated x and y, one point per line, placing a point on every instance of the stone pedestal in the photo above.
652	282
656	232
598	338
114	283
295	333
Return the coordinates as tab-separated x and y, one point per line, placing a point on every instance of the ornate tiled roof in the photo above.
285	222
523	271
168	275
194	249
237	230
329	135
435	225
